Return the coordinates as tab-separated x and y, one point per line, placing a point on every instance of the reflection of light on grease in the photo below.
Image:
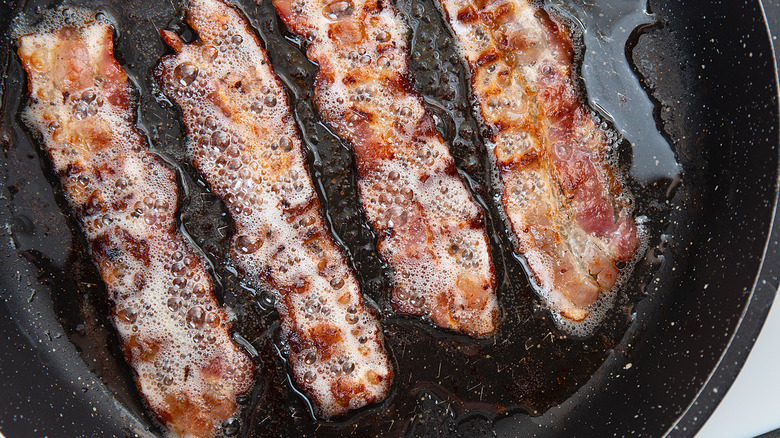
613	88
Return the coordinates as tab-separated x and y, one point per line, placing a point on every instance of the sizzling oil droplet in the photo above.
231	427
128	315
195	317
286	144
246	245
212	319
174	304
209	53
220	140
186	73
338	9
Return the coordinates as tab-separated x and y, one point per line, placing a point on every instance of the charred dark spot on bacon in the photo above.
467	15
138	248
488	57
94	204
527	159
112	246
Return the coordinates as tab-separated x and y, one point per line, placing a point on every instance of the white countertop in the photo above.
752	405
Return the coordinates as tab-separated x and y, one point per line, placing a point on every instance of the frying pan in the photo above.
665	355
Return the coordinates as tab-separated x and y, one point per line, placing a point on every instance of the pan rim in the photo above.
762	294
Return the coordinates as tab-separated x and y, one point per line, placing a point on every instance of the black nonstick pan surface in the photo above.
692	88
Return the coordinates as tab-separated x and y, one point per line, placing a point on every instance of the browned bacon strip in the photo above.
243	140
174	332
430	230
569	214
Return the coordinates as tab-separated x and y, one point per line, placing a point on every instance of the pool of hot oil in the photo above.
527	367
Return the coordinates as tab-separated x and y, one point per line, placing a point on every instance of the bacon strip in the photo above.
430	230
243	139
174	333
570	215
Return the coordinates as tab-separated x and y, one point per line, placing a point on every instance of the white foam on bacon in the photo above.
174	332
243	140
430	229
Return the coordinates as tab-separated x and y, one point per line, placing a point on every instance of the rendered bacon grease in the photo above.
243	139
430	230
570	216
174	333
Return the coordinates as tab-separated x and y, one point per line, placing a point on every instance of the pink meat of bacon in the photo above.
174	333
569	214
243	140
430	230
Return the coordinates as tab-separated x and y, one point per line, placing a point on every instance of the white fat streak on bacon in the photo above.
569	214
243	140
174	333
430	230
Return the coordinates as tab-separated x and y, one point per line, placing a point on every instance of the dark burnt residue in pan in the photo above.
446	384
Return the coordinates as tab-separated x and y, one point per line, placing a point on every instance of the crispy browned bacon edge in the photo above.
243	139
430	230
174	333
570	215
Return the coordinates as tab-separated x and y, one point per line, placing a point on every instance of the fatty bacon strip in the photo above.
570	215
430	230
243	140
174	333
